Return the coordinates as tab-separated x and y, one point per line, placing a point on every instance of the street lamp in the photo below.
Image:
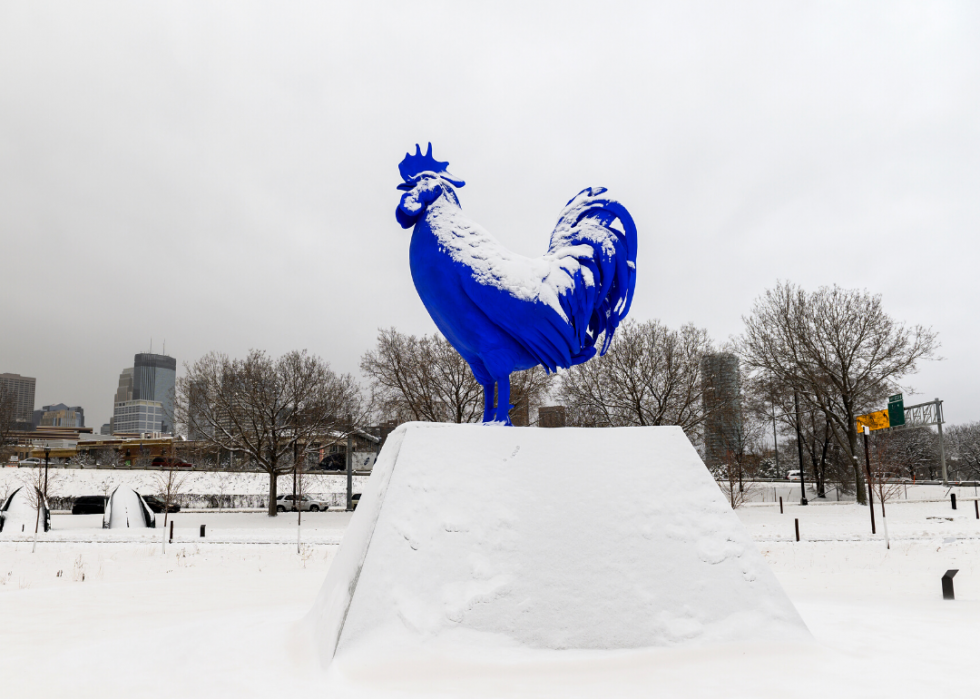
47	460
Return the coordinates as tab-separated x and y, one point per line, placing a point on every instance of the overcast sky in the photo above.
222	175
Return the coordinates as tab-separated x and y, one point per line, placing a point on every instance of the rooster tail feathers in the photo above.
598	300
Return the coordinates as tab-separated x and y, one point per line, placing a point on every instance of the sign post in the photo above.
942	446
897	415
867	467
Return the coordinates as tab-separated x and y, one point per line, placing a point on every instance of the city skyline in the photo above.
248	161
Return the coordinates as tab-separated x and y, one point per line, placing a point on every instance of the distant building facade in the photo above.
722	406
138	416
144	397
125	388
551	416
21	388
124	392
59	415
154	378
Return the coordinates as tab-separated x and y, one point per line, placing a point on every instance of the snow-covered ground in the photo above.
215	617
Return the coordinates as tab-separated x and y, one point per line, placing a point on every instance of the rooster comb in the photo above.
414	165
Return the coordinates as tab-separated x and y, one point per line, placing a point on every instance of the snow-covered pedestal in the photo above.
546	538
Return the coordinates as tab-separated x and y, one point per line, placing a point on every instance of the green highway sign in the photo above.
896	410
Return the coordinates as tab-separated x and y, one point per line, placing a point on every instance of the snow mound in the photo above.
489	536
127	510
18	515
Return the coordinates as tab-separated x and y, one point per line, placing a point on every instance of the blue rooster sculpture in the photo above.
504	312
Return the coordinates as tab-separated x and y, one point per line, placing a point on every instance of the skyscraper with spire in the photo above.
145	397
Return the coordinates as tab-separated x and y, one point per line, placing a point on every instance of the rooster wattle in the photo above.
504	312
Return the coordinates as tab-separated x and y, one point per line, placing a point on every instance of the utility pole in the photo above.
799	445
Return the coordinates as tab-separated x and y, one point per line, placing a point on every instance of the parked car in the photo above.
354	499
156	504
307	504
793	475
334	462
89	505
32	461
164	462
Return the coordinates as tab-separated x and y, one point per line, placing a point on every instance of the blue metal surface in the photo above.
504	312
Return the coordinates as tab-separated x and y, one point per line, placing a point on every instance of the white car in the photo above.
285	503
793	475
27	463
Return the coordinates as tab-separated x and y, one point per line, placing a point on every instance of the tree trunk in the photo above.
821	469
852	440
272	493
37	522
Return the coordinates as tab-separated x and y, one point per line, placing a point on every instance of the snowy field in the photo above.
238	489
90	614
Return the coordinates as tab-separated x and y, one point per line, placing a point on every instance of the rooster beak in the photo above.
406	186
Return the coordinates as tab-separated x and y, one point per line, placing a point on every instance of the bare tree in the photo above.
36	483
838	349
81	459
421	379
105	485
108	457
885	483
651	375
912	451
170	482
964	449
426	379
262	407
528	389
740	462
143	459
775	403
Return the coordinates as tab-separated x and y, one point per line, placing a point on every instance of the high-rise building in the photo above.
138	416
21	390
145	395
723	437
154	377
59	415
124	392
551	416
125	389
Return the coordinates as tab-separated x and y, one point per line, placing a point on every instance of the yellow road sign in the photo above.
874	421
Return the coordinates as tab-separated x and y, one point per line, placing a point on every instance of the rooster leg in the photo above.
503	402
488	401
